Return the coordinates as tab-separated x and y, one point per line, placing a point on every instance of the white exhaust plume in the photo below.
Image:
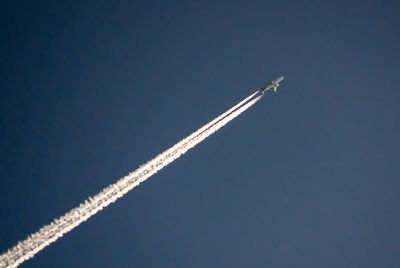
50	233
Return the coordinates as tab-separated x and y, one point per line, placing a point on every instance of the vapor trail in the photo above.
206	126
49	233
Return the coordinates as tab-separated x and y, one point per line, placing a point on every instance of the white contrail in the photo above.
206	126
49	233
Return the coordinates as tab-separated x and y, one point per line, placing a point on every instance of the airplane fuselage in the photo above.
272	84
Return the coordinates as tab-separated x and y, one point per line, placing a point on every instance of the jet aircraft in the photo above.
272	84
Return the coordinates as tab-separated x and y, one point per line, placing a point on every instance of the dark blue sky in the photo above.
308	177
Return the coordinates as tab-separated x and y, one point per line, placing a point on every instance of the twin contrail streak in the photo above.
50	233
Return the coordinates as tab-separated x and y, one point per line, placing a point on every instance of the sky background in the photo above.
308	177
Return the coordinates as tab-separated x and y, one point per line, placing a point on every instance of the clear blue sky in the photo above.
308	177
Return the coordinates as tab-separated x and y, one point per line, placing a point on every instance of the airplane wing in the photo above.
268	87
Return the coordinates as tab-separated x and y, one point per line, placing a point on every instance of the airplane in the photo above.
272	84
